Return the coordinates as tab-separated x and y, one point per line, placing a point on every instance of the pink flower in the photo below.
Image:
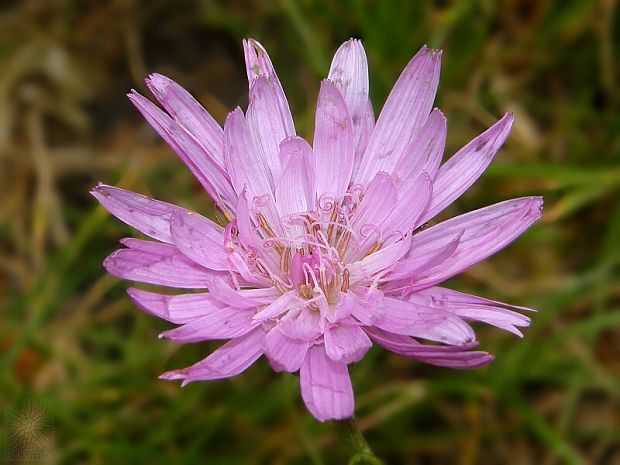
325	252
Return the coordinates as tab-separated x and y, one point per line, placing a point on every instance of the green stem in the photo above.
350	434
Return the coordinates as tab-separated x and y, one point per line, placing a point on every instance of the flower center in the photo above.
315	261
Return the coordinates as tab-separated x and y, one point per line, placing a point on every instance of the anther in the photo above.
305	290
263	223
332	223
377	245
344	242
285	260
345	280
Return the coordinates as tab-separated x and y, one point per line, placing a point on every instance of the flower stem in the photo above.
350	434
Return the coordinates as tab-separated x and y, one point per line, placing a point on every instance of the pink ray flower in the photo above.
324	253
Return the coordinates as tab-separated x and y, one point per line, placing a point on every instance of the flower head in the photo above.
324	252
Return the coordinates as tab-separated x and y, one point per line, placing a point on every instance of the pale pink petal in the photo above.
264	295
424	260
221	291
325	386
190	114
200	239
366	127
380	260
457	298
286	302
178	309
413	199
409	319
424	152
158	263
479	310
150	217
303	324
334	148
206	169
343	308
403	115
246	169
296	187
283	352
346	343
249	235
229	360
379	200
367	305
266	125
258	64
349	73
217	323
484	232
465	166
246	276
459	357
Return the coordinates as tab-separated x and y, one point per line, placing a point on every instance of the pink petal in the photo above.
284	353
426	259
201	163
258	64
200	239
296	187
349	73
249	236
190	114
413	200
367	305
334	147
424	152
157	263
346	343
366	127
326	386
150	217
455	297
229	360
303	324
378	261
231	297
379	199
466	166
286	302
479	310
267	125
247	171
178	309
403	115
459	357
408	319
484	232
217	323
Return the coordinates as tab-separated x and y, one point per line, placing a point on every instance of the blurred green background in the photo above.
72	343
